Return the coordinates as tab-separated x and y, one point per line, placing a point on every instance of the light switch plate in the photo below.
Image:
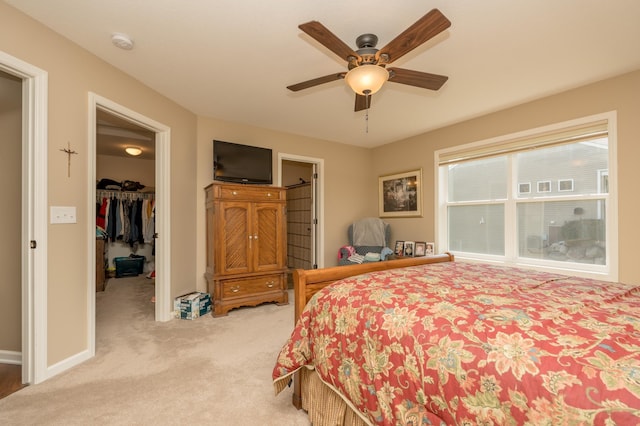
61	214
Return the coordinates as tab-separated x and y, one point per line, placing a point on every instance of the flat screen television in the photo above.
233	162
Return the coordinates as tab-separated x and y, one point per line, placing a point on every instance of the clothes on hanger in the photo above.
126	216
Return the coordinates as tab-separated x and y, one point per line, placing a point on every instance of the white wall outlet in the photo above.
63	214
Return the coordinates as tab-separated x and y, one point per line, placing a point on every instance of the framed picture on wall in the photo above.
400	194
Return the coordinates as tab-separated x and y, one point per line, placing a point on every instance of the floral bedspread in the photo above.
469	344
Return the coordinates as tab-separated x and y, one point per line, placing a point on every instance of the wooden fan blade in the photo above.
329	40
316	81
417	78
425	28
362	102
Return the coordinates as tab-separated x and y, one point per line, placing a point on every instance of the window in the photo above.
541	199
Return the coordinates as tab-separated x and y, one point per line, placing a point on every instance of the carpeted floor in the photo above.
213	371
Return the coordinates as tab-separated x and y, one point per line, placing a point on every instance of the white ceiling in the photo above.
232	59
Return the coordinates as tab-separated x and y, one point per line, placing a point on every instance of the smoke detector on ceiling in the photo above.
122	41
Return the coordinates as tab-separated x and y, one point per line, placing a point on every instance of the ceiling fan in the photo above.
368	66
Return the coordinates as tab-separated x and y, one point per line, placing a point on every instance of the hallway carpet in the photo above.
209	371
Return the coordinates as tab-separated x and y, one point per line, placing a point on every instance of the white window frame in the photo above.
566	185
524	188
608	272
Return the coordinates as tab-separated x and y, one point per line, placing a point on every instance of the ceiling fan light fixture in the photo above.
133	151
366	79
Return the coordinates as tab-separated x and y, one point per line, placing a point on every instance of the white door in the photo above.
33	208
317	225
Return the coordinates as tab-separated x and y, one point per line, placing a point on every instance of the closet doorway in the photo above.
125	197
108	117
303	177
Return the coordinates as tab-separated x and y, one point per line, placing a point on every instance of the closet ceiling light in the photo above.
133	150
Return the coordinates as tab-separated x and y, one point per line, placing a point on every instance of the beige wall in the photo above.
620	94
349	193
10	176
72	74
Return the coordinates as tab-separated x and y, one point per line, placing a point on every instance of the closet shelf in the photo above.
128	195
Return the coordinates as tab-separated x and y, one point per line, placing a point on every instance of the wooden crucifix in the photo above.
68	151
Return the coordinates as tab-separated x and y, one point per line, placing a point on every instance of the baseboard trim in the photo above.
11	357
68	363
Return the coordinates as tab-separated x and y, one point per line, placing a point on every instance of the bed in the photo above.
447	342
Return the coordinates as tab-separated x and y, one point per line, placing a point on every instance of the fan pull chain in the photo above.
366	115
366	122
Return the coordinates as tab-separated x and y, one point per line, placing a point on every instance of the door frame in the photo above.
34	216
318	198
163	305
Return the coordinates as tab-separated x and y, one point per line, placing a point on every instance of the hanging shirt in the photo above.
102	213
126	222
119	221
112	219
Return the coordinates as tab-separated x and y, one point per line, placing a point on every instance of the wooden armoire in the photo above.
246	245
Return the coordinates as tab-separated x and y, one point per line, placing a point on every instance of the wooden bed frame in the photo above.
309	281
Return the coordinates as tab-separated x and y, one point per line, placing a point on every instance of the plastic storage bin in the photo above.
129	266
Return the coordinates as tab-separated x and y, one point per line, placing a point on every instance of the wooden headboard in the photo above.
308	281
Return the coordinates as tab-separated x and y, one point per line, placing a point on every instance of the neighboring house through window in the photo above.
544	198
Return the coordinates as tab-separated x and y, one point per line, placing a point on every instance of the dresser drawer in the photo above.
249	286
250	194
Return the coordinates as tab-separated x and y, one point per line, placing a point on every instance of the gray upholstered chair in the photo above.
373	243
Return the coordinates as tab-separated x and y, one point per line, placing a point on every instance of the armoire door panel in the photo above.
236	243
268	230
210	222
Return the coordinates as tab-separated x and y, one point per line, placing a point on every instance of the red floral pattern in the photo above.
470	344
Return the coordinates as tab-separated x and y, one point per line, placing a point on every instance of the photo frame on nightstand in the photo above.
409	248
399	249
430	249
